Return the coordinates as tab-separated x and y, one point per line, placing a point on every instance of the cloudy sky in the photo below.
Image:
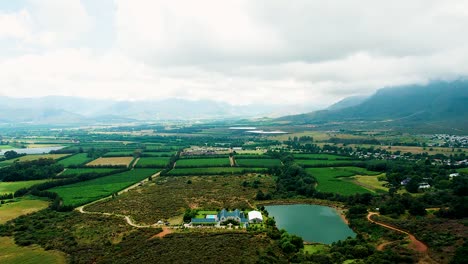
282	52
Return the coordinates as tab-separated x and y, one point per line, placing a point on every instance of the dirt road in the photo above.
415	244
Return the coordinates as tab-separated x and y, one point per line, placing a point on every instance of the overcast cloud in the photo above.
280	52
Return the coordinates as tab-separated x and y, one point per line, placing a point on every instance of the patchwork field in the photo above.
258	163
334	180
10	253
20	206
202	162
169	197
152	162
213	171
111	161
11	187
88	191
75	160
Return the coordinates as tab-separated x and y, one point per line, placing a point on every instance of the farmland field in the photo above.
158	154
36	157
213	171
203	162
79	171
152	162
319	156
10	253
118	154
20	206
88	191
262	163
111	161
175	194
324	163
75	160
11	187
331	180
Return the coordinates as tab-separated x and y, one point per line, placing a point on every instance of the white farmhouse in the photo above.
255	217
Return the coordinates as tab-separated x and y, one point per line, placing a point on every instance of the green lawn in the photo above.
153	162
213	171
11	187
88	191
464	170
319	156
333	180
214	162
75	160
258	163
315	248
10	253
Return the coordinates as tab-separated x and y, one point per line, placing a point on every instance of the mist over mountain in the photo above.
348	102
75	110
437	103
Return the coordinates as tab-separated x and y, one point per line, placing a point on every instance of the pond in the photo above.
314	223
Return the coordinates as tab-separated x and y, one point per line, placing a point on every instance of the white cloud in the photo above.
301	52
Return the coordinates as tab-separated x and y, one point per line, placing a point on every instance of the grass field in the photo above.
10	253
159	154
214	162
88	191
153	162
323	163
168	197
75	160
319	156
464	170
20	206
315	248
371	182
111	161
213	171
11	187
333	180
258	163
6	147
79	171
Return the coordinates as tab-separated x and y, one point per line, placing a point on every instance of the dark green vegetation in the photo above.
203	162
213	171
30	170
258	163
71	172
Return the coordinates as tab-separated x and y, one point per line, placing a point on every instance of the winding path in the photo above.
127	218
415	244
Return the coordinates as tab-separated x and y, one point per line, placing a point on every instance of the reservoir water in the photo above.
33	150
314	223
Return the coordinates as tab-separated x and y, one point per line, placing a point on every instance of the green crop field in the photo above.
464	170
213	171
258	163
75	160
152	162
319	156
10	253
11	187
214	162
88	191
118	153
159	154
79	171
324	163
6	147
333	180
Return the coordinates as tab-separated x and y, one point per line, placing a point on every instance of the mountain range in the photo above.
436	103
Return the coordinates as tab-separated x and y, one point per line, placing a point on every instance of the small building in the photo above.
424	185
255	217
454	175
